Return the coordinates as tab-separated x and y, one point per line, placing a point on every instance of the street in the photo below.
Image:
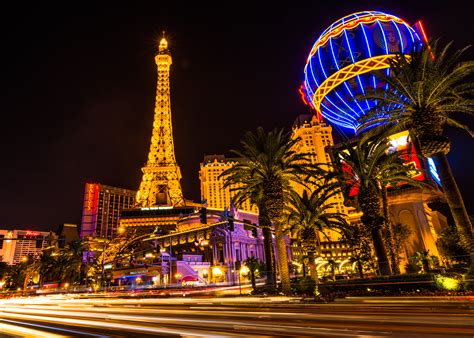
101	316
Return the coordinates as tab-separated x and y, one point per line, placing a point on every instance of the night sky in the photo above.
78	90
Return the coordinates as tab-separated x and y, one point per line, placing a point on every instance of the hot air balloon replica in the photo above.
341	65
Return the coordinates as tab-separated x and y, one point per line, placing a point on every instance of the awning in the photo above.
189	279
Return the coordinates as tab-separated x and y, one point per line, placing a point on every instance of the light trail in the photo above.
74	315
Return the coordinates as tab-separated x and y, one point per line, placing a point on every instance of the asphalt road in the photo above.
92	316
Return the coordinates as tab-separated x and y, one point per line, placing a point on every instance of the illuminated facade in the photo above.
212	187
101	210
191	252
160	184
18	244
315	136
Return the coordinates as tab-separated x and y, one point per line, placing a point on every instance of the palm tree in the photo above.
426	92
268	165
239	179
310	215
4	268
332	265
367	167
15	277
253	264
72	262
47	263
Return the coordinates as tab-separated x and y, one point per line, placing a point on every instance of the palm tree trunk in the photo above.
382	259
373	220
312	266
252	280
359	267
282	261
265	224
269	256
389	233
26	280
456	204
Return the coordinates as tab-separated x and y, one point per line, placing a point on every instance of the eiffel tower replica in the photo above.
160	184
159	201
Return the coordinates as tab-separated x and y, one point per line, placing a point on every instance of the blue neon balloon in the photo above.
351	40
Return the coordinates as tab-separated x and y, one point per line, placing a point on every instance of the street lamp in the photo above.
178	276
242	273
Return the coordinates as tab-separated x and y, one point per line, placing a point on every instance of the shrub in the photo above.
451	282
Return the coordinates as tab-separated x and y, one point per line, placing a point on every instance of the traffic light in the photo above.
254	232
204	215
231	224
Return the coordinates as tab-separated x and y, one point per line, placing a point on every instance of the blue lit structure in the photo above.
343	60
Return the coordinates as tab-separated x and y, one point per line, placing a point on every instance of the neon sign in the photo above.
433	171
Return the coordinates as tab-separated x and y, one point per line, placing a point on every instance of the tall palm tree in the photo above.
367	167
268	165
46	268
239	179
73	261
427	91
309	215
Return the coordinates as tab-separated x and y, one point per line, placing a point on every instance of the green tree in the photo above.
359	238
254	266
15	277
450	247
400	234
269	164
47	267
310	215
367	167
4	268
428	89
424	260
71	259
332	265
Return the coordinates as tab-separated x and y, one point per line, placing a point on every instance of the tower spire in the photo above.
160	184
163	46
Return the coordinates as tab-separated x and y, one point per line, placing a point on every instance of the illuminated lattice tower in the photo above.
160	184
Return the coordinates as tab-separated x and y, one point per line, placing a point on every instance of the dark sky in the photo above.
78	89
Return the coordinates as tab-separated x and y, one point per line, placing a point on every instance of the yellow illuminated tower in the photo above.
160	184
315	136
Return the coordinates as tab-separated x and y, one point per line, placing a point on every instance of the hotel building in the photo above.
101	210
18	244
212	186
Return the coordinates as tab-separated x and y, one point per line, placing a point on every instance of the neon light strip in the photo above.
358	77
336	106
345	83
425	38
386	49
338	116
364	19
346	73
338	119
370	55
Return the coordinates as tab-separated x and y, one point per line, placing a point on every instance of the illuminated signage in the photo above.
32	233
92	196
433	171
157	208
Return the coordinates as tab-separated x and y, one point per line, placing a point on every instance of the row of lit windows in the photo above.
333	254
